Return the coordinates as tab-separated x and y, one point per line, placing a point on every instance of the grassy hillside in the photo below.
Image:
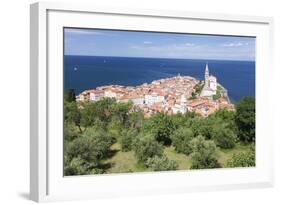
125	162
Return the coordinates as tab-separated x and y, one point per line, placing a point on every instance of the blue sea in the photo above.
87	72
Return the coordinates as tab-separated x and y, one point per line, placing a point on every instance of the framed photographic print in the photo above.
127	102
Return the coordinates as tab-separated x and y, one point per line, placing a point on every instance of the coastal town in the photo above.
178	94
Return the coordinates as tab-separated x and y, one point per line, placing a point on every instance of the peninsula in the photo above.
179	94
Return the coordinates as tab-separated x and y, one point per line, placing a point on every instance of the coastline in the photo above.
91	71
173	95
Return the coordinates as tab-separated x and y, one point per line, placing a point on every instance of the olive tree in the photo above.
204	154
157	163
245	119
127	138
243	159
181	139
147	147
83	154
161	126
223	136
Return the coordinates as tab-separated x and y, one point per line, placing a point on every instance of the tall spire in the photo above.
207	75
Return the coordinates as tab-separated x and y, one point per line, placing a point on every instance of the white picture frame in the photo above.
47	182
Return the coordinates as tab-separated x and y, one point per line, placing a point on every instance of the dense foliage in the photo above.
146	147
83	154
127	138
161	127
223	136
197	90
92	129
69	95
157	163
245	119
181	140
204	154
243	159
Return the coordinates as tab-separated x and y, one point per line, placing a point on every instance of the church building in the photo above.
210	85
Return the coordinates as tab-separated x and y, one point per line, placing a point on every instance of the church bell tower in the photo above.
206	75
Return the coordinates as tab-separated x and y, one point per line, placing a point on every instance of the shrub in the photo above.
69	95
75	167
78	166
114	126
217	95
181	140
101	140
121	110
82	148
157	163
102	110
203	126
223	136
127	138
70	131
147	147
83	154
72	113
245	119
161	126
243	159
204	154
136	118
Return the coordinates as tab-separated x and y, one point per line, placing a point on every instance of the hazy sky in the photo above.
95	42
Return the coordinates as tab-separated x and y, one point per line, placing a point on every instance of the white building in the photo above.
138	100
213	82
110	94
176	108
96	95
153	98
183	105
82	97
210	86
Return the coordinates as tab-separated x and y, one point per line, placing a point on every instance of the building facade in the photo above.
210	85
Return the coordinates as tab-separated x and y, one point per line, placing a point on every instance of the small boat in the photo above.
75	68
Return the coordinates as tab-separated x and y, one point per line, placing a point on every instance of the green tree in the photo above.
146	147
102	141
88	115
178	119
69	95
83	154
225	115
78	166
102	110
114	127
72	114
136	119
75	166
243	159
204	154
245	119
223	136
127	138
181	139
121	110
82	148
161	126
157	163
203	126
70	131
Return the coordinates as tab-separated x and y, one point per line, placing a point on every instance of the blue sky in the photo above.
96	42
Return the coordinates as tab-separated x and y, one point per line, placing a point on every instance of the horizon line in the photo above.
207	59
